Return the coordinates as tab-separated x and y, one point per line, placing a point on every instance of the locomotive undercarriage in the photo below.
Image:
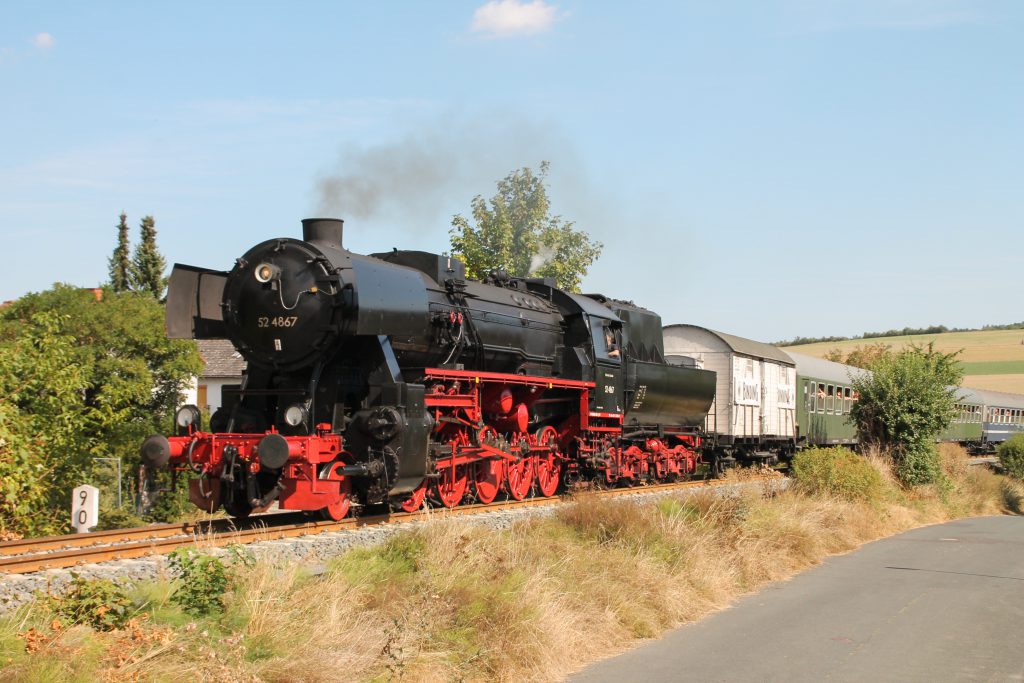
494	436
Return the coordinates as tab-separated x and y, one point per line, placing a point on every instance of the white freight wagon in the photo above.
754	413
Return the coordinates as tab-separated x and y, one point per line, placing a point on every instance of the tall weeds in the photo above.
455	601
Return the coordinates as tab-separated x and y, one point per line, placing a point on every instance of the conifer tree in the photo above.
121	260
148	264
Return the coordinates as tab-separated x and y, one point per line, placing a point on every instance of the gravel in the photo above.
18	589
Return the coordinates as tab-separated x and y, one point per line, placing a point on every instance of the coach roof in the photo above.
742	346
819	368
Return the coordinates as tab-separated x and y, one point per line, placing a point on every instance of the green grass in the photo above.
998	367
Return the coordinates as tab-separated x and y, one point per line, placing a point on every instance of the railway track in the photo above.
60	552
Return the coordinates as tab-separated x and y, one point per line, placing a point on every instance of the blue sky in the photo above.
769	169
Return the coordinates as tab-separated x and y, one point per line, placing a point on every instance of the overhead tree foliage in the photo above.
148	265
516	231
121	260
906	401
82	378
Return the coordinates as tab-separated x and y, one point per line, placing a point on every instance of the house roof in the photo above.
220	358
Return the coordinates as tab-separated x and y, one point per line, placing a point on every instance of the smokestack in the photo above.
327	230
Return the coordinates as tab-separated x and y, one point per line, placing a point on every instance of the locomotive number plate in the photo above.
279	321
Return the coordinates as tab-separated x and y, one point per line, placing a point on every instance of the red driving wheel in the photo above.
548	464
488	473
520	471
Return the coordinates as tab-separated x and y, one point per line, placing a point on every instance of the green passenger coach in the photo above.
825	397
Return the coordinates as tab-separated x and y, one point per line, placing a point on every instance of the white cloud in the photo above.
44	41
504	18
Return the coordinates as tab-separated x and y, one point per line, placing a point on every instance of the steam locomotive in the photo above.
389	378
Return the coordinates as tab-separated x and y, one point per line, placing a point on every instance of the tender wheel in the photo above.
548	465
338	509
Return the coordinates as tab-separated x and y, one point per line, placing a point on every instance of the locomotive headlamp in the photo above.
296	415
265	272
187	416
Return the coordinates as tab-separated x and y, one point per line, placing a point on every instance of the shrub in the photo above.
97	603
918	464
839	472
1011	455
202	581
905	402
118	518
169	504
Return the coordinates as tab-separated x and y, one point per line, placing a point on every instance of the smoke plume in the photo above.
443	164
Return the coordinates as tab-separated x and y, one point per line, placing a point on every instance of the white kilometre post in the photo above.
85	508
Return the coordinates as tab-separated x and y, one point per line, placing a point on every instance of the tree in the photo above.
515	231
906	401
82	378
42	388
861	356
148	264
121	260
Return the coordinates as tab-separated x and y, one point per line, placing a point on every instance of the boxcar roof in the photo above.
819	368
744	347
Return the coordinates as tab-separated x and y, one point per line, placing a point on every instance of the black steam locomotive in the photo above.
391	378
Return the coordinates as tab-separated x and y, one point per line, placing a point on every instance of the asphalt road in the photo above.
943	603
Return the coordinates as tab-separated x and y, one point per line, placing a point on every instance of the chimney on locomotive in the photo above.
327	230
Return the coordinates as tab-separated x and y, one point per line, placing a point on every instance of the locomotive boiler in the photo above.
391	378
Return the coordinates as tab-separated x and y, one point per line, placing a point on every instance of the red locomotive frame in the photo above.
481	445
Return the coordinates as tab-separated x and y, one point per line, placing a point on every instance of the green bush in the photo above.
1011	455
97	603
118	518
170	504
918	464
202	581
837	472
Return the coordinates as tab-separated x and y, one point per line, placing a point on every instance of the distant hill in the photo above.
992	359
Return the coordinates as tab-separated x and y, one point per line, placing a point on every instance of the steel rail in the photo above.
122	544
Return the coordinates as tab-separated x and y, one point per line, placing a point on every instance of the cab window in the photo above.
607	341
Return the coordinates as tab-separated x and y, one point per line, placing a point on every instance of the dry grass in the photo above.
978	347
1013	383
453	601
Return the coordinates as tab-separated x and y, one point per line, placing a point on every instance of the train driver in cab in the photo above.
609	343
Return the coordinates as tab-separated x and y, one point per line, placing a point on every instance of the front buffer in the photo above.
246	473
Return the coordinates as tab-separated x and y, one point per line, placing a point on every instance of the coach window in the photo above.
830	400
821	398
809	396
848	394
